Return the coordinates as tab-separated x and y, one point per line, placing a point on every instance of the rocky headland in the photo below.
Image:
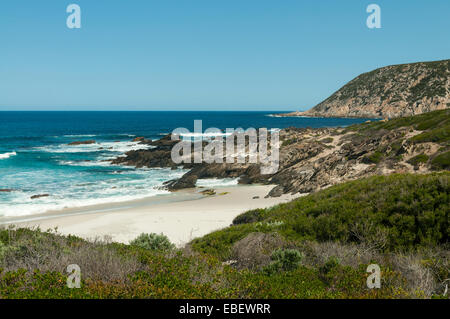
388	92
314	159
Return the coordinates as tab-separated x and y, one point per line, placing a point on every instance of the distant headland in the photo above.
388	92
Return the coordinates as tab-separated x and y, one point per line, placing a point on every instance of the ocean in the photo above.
35	157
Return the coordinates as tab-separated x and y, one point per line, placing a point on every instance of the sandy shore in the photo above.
181	216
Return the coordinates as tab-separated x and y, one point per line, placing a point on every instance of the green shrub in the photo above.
421	158
331	263
421	122
326	140
373	158
284	260
442	161
289	259
2	250
436	135
153	242
219	243
251	216
289	142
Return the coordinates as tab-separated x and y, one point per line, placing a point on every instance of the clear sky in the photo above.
205	54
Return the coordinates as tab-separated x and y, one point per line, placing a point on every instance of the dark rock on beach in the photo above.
208	192
177	184
277	191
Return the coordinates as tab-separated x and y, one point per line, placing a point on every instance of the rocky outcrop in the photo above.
165	142
146	158
208	192
185	182
313	159
39	196
82	142
158	154
392	91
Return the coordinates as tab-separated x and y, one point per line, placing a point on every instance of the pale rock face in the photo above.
392	91
314	159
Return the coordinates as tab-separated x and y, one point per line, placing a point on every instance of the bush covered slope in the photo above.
317	246
395	212
34	265
392	91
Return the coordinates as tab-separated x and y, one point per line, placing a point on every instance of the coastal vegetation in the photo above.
317	246
434	126
379	193
395	212
153	242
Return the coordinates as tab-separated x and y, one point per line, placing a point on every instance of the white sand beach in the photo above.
181	217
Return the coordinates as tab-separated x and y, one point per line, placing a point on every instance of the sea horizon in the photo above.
206	111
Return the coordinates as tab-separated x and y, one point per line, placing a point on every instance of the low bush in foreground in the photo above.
284	260
317	246
186	275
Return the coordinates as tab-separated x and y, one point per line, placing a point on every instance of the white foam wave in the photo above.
121	147
50	203
7	155
217	182
204	134
72	189
84	163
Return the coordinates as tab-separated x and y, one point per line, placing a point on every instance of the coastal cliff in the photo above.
388	92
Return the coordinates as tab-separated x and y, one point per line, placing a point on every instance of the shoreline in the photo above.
181	195
323	116
181	216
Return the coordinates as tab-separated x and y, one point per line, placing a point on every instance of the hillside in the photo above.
315	159
392	91
317	246
391	213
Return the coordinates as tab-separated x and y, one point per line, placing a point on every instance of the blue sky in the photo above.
204	54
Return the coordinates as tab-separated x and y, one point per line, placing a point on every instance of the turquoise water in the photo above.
35	158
